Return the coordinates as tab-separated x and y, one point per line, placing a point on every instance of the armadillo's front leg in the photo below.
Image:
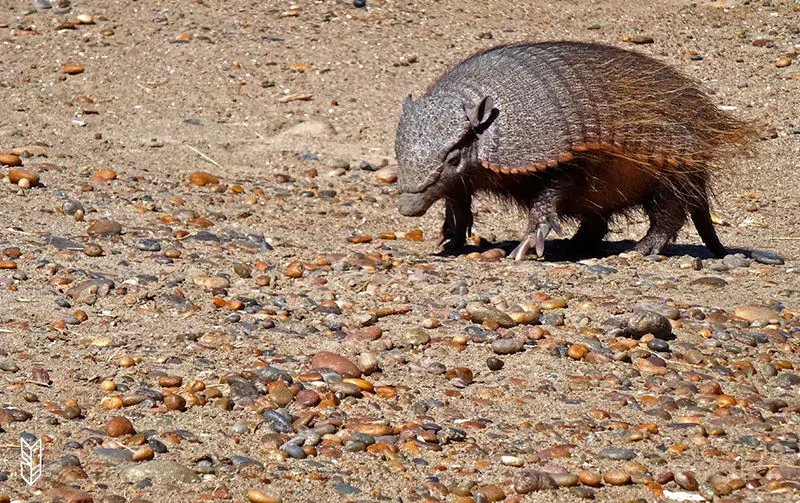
457	223
540	223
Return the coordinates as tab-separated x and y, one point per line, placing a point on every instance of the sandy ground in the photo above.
269	98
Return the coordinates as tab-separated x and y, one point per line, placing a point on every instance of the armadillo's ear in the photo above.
479	114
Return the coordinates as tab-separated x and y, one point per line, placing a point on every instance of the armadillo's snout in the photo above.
413	205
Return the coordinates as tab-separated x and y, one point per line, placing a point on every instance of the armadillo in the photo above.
566	131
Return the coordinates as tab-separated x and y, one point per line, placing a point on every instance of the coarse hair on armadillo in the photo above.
594	101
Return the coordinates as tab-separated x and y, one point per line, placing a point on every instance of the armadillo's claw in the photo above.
542	230
522	248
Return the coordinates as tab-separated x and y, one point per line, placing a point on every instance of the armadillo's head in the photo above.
434	147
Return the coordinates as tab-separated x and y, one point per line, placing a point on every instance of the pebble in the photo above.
158	471
639	323
337	363
416	337
765	257
686	480
259	496
22	177
533	480
618	453
484	313
10	160
783	62
386	175
494	364
507	346
72	69
118	426
104	226
755	313
616	477
202	178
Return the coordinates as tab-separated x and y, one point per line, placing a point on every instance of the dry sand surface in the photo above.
208	293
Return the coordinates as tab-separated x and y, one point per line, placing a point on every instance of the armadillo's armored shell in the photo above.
557	98
428	128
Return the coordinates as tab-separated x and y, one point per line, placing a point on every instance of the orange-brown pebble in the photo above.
126	361
118	426
414	235
112	402
174	402
170	381
201	178
588	478
10	160
577	351
105	174
294	270
72	69
143	453
16	175
259	496
108	385
8	264
617	477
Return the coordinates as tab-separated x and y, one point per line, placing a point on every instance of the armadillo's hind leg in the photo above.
705	227
591	232
667	213
457	223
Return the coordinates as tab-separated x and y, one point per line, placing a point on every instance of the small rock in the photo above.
104	226
783	62
617	477
534	480
10	160
755	313
337	363
765	257
494	364
618	453
18	175
72	69
507	346
201	178
387	174
258	496
483	313
158	471
416	337
118	426
639	323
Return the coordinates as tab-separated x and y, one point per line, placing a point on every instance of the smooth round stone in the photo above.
533	480
507	346
659	345
512	461
736	261
294	451
104	226
565	479
345	388
766	257
495	364
755	313
118	426
355	447
337	363
150	245
618	453
484	313
686	480
259	496
617	477
416	337
278	422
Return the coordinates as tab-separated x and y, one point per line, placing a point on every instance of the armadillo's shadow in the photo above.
563	250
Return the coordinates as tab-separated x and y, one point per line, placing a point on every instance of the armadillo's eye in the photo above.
454	157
